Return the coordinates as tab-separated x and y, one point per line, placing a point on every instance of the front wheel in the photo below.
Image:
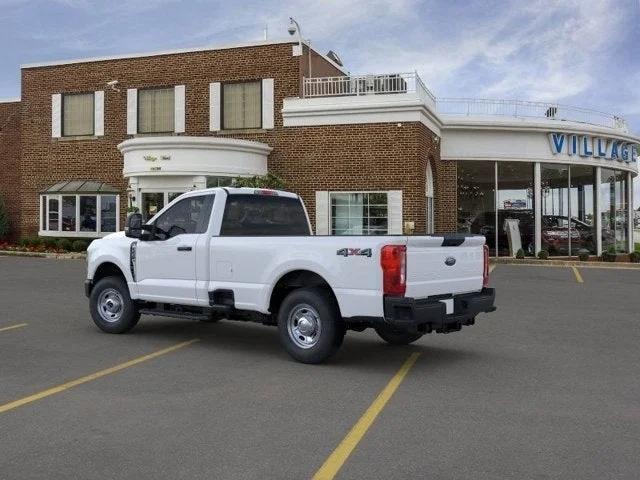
112	309
309	325
396	337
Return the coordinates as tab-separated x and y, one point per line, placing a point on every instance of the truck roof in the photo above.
242	191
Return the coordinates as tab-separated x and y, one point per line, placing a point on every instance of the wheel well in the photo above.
107	269
294	280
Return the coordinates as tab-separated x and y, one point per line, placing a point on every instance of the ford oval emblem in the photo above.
450	261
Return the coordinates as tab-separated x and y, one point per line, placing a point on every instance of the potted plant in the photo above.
583	254
610	255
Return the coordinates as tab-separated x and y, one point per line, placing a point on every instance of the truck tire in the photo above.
309	325
396	337
112	309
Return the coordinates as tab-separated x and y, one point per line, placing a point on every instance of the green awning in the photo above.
80	187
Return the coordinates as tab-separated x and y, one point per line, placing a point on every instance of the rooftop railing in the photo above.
399	83
524	109
356	85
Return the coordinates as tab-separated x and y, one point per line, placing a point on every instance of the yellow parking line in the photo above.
11	327
334	463
577	274
94	376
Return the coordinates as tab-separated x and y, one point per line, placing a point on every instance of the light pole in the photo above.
294	27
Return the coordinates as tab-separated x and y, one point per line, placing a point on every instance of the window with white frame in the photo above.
78	114
156	110
242	105
359	213
80	213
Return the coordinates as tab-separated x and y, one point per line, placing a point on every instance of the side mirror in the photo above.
133	225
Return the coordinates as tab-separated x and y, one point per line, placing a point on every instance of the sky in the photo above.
577	52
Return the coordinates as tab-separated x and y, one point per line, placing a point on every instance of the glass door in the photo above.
152	203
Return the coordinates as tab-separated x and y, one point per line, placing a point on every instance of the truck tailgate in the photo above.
444	265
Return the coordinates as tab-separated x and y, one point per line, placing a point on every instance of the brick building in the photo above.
368	154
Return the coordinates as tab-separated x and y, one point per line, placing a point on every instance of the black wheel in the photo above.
396	337
309	326
112	309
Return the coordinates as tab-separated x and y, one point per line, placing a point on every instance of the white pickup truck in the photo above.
249	254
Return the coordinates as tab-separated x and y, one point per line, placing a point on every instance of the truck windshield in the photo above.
263	215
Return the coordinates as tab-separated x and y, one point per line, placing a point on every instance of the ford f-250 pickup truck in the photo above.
249	254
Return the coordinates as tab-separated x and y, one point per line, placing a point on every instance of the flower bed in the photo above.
45	245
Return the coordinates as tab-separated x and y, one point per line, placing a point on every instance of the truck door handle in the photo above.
184	248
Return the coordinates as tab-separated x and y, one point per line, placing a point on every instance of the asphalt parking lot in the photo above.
546	387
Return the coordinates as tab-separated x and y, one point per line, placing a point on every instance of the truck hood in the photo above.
113	240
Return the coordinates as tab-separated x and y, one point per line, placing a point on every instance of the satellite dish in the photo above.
334	56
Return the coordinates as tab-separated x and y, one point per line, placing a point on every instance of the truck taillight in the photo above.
485	273
393	259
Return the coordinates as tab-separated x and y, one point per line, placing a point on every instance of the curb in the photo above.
57	256
564	263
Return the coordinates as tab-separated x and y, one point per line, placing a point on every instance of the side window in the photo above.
189	215
263	215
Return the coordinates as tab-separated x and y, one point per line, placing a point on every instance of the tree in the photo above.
260	181
4	220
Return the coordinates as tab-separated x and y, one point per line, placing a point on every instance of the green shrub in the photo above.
634	257
50	243
25	242
80	246
610	255
4	220
583	254
543	254
265	181
520	254
65	244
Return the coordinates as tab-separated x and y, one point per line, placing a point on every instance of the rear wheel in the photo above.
309	326
112	309
396	337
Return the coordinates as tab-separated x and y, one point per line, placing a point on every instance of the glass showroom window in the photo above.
554	197
516	219
364	213
219	181
582	207
156	110
77	114
477	200
79	215
614	210
242	105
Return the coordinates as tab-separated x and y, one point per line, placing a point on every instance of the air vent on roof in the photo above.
334	56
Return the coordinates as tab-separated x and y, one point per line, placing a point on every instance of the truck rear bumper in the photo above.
429	314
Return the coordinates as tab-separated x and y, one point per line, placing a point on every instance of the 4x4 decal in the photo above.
348	252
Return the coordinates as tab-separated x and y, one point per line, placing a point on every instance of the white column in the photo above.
598	215
630	212
537	201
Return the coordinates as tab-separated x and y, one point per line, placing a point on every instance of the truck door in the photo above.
166	264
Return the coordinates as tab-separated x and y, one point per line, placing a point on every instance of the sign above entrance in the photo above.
591	146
